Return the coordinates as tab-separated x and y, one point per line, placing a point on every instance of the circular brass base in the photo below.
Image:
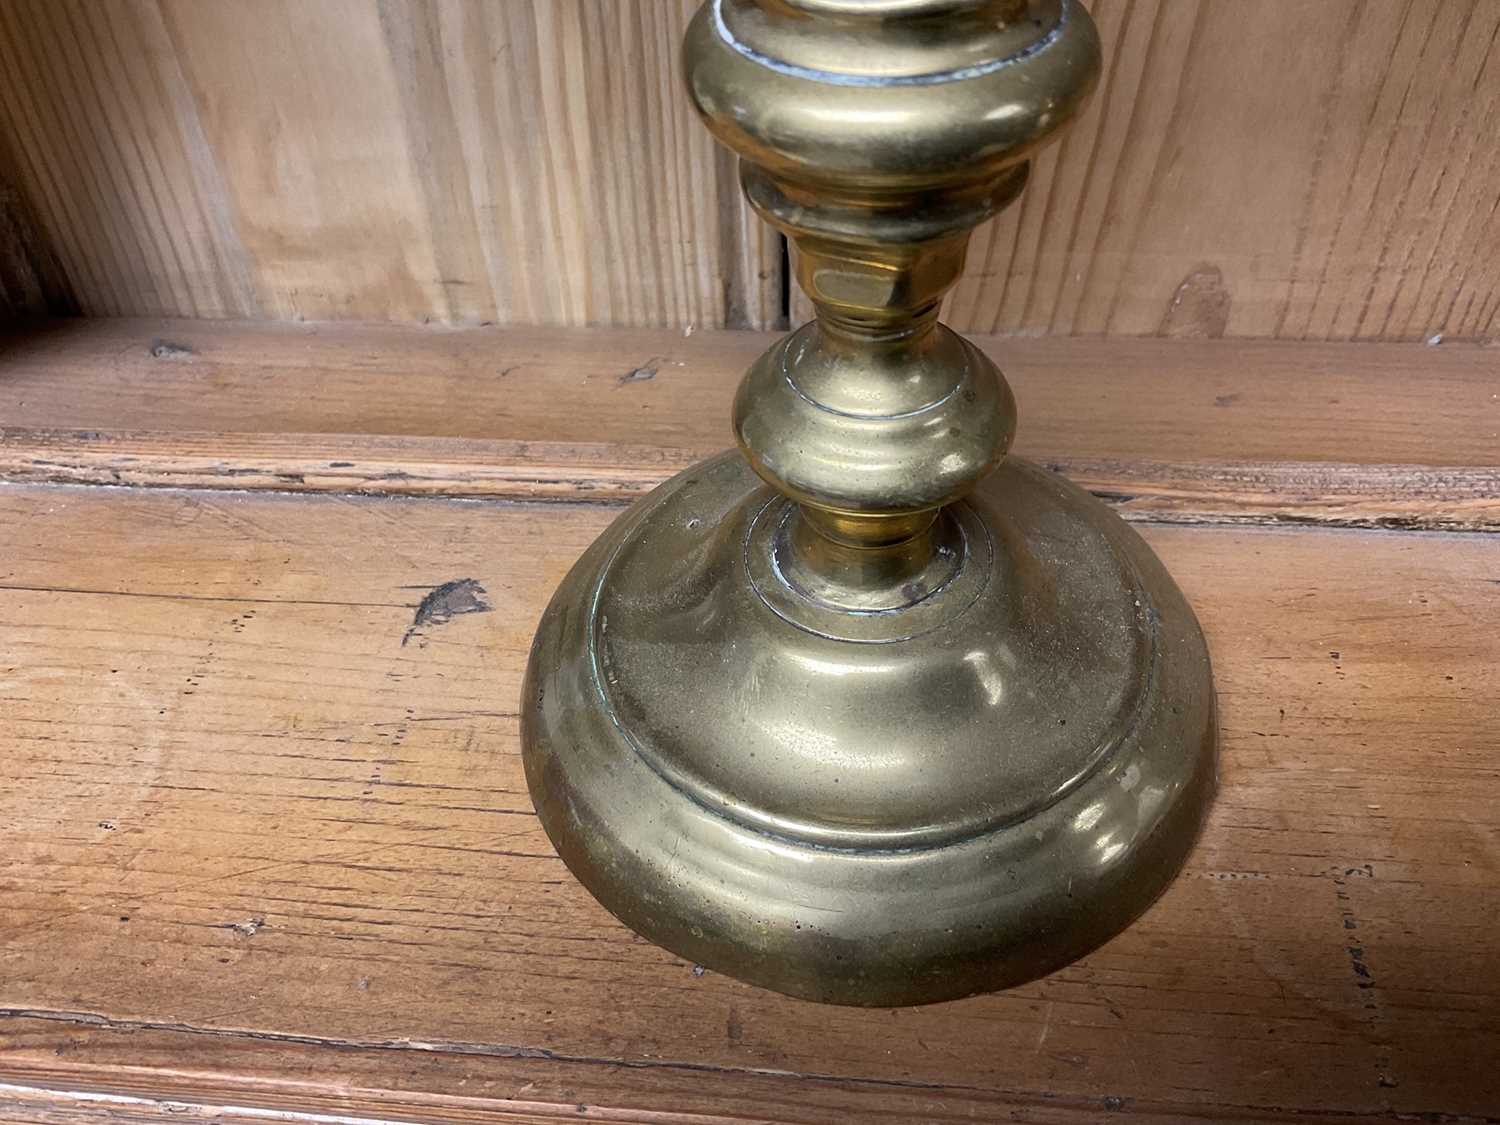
871	806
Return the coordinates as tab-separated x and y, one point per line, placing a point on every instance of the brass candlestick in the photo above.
868	715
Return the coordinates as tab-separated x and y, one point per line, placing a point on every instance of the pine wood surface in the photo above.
1275	169
269	853
1244	431
247	801
1299	171
378	159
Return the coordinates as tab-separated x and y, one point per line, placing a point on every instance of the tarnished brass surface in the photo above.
866	713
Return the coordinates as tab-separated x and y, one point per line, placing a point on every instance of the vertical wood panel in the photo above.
447	160
113	163
1306	171
1284	169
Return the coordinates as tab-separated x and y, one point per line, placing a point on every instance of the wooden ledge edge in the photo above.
174	1074
1329	494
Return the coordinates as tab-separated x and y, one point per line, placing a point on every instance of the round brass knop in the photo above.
877	135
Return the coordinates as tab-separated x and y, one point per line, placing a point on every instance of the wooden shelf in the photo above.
1184	430
268	846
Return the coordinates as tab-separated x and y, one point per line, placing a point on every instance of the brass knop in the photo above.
877	135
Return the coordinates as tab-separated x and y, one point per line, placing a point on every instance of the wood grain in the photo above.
1279	169
261	852
1191	431
443	160
1300	171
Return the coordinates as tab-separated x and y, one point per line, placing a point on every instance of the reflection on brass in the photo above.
865	712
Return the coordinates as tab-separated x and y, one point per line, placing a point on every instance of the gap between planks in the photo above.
1333	494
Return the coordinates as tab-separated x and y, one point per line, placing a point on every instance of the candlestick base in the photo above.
980	778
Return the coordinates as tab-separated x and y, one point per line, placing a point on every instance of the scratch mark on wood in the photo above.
248	928
645	371
1346	912
167	349
462	1047
1363	977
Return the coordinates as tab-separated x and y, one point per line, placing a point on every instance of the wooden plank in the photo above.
284	1082
266	845
1414	497
441	160
535	162
1353	196
256	1076
1224	431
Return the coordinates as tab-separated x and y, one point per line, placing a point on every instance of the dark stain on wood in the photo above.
1352	947
32	282
445	602
642	373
